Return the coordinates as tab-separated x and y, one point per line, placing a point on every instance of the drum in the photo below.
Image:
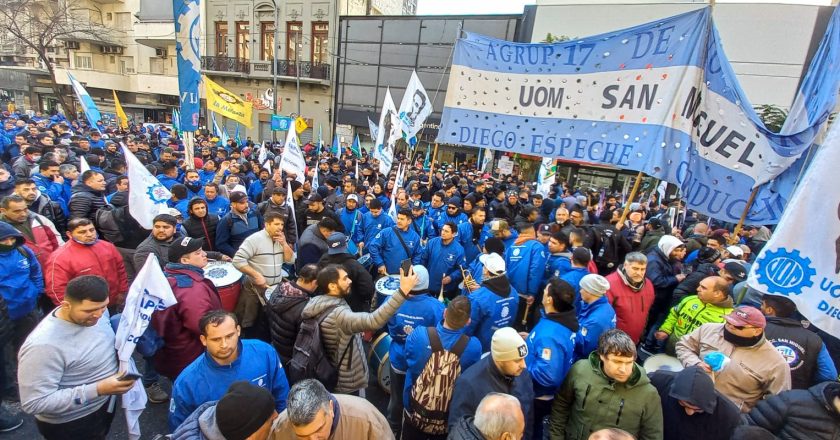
662	362
380	361
226	278
366	262
385	287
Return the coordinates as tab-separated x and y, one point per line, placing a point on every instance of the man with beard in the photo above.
227	359
277	204
631	295
340	326
68	370
316	210
470	234
237	225
158	242
755	369
361	291
40	235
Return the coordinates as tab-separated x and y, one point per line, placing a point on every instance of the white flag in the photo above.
415	107
373	130
146	195
392	210
290	201
486	159
149	292
546	176
804	266
292	160
387	134
83	165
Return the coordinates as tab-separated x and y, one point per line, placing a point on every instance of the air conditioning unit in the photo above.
111	49
162	53
71	45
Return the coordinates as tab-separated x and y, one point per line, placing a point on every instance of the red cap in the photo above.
746	316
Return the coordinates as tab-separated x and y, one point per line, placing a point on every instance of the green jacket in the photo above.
691	313
650	240
588	401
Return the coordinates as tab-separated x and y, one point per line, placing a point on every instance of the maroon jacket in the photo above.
178	325
631	307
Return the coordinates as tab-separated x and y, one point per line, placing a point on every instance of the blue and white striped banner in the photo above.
660	98
187	46
88	106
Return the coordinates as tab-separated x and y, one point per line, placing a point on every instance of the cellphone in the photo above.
129	376
406	266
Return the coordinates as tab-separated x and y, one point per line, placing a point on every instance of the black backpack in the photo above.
609	254
107	222
309	358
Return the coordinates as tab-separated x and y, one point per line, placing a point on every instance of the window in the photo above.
293	38
267	41
243	48
221	38
83	62
320	42
156	66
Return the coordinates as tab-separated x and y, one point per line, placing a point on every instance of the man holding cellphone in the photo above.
68	366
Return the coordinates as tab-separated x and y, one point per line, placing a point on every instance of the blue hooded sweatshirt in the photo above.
204	380
491	310
551	351
465	236
219	206
371	226
443	260
352	221
21	280
415	313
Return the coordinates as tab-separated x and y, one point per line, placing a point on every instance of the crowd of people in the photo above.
498	312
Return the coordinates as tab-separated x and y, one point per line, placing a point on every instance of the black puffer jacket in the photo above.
362	288
133	234
283	310
465	430
799	414
689	285
204	228
85	201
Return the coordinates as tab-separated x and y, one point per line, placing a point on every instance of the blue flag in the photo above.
356	147
187	45
91	112
236	136
336	147
660	98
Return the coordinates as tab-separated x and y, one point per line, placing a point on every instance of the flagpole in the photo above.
737	232
631	197
432	168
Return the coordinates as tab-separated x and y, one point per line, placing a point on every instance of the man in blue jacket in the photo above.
559	257
351	218
227	360
594	313
374	222
551	347
452	214
502	372
526	265
581	257
419	310
444	257
395	244
470	234
237	225
216	204
422	224
21	282
494	303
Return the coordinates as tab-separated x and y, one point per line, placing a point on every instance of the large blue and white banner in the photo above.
187	46
799	264
660	98
88	106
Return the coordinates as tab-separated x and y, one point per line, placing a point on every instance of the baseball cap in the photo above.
353	197
735	251
238	196
493	263
182	247
737	270
314	197
416	204
545	229
746	316
337	243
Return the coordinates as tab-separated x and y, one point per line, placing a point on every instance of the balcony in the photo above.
225	64
286	68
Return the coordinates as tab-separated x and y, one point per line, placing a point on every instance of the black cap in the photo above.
314	197
416	204
736	270
544	229
238	196
655	223
183	246
243	410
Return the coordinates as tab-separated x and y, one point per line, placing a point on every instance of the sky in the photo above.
459	7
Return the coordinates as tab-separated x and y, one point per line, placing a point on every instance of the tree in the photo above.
40	25
549	38
772	116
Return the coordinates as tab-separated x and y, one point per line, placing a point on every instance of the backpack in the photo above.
108	224
309	358
428	407
608	255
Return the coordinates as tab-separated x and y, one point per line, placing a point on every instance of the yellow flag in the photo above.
122	119
226	103
300	125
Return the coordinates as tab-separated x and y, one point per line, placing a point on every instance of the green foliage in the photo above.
772	116
555	38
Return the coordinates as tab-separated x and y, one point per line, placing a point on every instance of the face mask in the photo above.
6	248
740	341
193	186
36	158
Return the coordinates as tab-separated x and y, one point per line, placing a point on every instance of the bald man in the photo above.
498	417
712	302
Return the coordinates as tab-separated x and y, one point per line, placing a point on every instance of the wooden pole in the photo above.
631	197
734	238
432	166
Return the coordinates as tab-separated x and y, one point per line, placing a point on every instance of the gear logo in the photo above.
158	193
785	272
